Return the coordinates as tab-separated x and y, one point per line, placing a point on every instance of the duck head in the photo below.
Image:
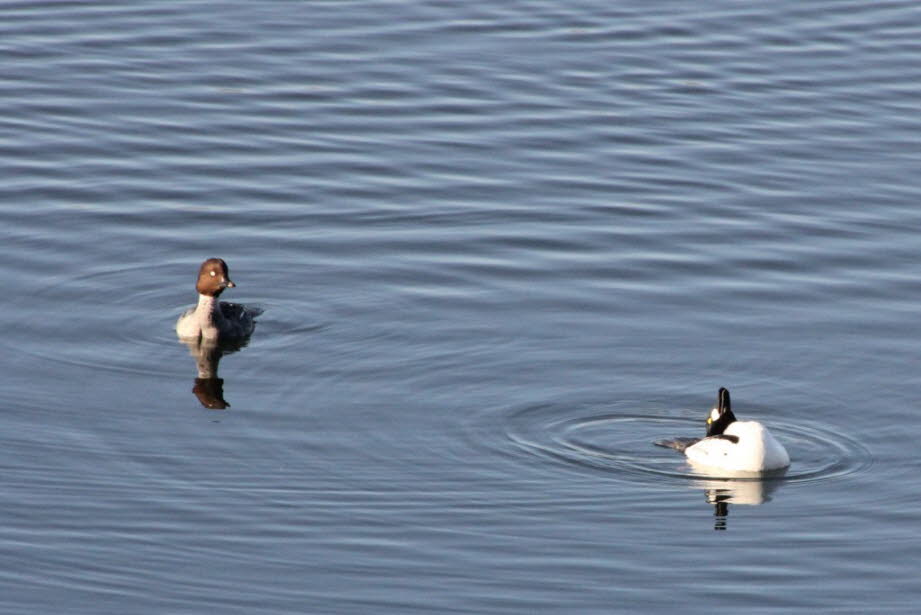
721	416
213	278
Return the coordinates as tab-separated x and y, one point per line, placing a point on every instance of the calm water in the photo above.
501	249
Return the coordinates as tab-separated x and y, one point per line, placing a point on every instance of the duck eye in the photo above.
212	274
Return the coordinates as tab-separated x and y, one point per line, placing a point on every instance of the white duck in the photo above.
732	445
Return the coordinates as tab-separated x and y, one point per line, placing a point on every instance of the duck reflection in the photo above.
209	387
742	488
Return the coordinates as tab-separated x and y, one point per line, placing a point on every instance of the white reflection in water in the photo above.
742	488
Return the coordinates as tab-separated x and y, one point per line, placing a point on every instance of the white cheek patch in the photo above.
714	414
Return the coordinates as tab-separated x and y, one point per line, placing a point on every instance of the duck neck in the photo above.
208	311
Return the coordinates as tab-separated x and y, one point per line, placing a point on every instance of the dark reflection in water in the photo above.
210	393
209	387
720	515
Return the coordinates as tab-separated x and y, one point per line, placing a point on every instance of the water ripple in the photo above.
620	444
126	318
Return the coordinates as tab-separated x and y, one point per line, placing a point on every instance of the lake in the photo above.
500	249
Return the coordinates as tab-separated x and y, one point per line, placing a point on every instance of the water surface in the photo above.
500	249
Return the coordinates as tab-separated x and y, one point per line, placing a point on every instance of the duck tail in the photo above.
679	444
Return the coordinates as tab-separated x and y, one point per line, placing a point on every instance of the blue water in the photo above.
501	248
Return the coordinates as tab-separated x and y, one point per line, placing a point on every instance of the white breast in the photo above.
756	451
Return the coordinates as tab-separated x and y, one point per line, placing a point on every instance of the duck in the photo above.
732	445
213	320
